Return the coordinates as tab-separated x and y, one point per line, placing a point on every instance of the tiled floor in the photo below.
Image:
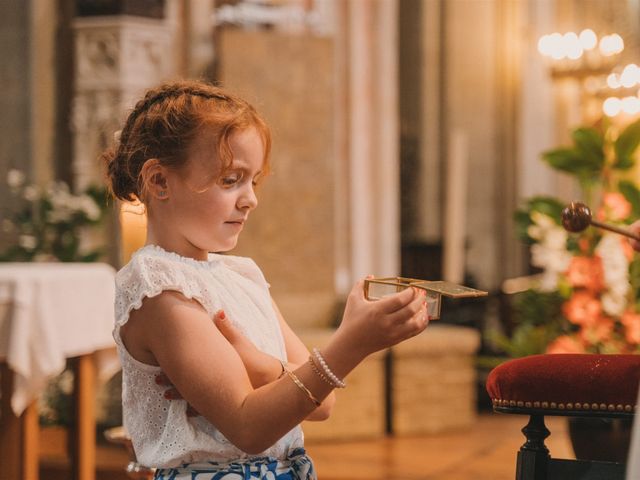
485	452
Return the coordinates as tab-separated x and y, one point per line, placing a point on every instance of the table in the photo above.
51	312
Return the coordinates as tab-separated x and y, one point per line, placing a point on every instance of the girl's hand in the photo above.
369	326
635	228
261	367
172	393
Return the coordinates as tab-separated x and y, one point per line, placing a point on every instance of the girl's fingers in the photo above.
162	379
415	325
172	394
397	301
231	333
409	310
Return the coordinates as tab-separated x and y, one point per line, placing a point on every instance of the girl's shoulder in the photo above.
244	266
153	270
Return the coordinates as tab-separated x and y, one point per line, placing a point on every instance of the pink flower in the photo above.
586	272
616	206
582	308
627	249
598	332
631	322
565	344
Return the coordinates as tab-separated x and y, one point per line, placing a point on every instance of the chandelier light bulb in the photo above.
631	105
545	45
617	43
612	106
613	81
630	75
556	50
588	39
611	45
572	47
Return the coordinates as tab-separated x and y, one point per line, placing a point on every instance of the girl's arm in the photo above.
263	368
205	368
298	354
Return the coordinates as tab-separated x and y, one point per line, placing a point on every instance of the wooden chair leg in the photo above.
83	433
18	435
533	457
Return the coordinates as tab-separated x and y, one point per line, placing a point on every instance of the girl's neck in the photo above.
176	245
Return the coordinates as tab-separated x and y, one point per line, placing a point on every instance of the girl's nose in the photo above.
248	198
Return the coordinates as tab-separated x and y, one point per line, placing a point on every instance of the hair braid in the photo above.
162	126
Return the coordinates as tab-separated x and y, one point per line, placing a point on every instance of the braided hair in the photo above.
164	124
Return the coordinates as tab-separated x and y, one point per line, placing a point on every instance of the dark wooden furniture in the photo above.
571	385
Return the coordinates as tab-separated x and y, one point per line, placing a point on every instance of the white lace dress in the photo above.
162	433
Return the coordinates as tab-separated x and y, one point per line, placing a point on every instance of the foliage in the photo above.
587	296
48	223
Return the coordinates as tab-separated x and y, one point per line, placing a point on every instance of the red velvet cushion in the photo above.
567	382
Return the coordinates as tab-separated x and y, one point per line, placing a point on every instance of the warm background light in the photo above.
133	229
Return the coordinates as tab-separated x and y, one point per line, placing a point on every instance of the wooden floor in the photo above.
485	452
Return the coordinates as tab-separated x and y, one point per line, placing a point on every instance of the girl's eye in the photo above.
231	179
257	180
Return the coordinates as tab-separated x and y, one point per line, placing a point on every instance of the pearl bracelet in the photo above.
319	372
336	382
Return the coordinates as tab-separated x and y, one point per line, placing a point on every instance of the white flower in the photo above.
59	215
613	305
31	193
65	382
15	178
28	242
614	264
7	225
89	207
542	220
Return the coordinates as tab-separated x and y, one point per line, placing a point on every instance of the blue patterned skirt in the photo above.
297	466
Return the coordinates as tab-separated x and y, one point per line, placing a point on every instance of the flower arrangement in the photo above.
46	223
586	298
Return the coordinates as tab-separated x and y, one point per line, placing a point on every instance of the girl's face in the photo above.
209	217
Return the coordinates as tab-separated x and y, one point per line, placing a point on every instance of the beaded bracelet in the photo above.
334	379
301	386
319	372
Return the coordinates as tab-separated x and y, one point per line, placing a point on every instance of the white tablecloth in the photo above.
50	312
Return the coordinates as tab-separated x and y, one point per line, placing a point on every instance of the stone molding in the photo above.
117	58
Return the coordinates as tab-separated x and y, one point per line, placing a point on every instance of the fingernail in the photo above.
221	315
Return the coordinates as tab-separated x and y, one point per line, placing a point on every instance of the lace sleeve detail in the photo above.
150	275
246	267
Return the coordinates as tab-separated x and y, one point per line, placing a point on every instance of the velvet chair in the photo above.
570	385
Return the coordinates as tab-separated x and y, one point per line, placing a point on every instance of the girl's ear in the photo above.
154	179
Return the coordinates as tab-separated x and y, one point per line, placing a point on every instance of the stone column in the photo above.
117	58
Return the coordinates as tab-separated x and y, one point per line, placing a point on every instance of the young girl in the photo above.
215	383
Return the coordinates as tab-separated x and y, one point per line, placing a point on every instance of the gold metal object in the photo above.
377	288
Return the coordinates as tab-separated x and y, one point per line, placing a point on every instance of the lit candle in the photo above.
133	229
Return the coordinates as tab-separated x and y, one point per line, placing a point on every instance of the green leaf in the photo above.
632	194
624	163
572	161
590	146
549	206
627	143
522	222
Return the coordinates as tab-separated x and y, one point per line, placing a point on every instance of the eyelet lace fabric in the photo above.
162	433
